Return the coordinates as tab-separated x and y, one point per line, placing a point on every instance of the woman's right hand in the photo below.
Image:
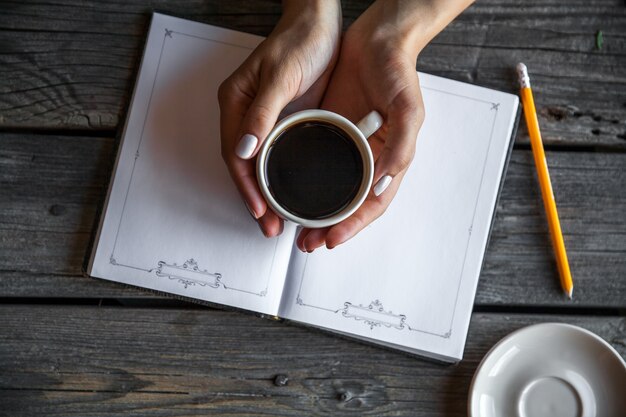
287	72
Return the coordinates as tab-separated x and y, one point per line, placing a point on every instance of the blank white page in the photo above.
409	279
174	221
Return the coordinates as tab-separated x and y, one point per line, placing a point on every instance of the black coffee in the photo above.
314	170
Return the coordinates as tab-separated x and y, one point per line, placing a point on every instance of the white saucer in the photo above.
550	370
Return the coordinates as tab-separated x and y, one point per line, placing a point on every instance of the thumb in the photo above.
260	118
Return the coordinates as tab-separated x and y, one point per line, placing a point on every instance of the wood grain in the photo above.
77	361
51	188
67	69
71	64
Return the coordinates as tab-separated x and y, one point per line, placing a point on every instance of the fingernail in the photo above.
252	213
382	185
246	146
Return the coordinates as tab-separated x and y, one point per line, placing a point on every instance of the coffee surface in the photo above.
314	170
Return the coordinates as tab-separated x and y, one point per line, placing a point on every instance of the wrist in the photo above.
312	12
407	25
318	6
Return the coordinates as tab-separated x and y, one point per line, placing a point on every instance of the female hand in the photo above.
376	71
287	72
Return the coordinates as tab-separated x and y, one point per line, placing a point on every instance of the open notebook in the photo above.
174	222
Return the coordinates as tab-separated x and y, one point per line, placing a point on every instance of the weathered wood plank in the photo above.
67	361
589	190
71	64
51	188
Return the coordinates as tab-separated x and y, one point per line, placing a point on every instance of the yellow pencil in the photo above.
544	180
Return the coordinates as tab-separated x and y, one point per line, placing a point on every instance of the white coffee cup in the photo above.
358	133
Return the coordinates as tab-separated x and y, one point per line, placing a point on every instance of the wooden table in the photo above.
70	345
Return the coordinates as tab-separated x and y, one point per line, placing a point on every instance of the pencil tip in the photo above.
569	293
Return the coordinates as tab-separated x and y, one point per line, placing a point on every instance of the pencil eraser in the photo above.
522	72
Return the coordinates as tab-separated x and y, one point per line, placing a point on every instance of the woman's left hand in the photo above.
375	71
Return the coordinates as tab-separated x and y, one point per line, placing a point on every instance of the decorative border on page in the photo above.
374	315
187	274
370	319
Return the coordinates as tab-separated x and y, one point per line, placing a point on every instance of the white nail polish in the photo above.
382	185
246	146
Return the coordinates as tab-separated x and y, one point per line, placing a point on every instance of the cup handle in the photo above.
370	123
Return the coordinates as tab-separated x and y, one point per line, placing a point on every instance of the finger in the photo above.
301	236
371	209
234	102
271	225
262	115
244	176
404	119
314	239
